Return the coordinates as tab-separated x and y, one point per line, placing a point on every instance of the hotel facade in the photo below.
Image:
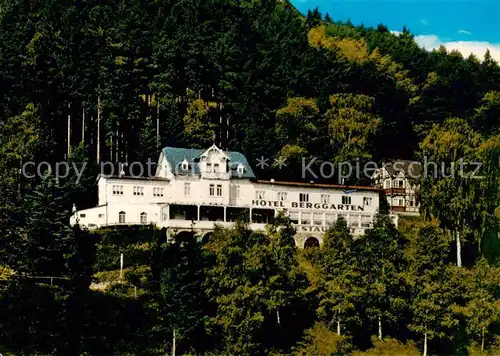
194	189
399	180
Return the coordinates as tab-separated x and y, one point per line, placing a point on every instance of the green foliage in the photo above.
340	292
290	86
351	125
319	340
256	285
389	347
380	265
452	180
197	124
147	142
48	240
182	292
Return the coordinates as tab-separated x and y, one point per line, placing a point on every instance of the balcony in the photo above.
398	209
395	191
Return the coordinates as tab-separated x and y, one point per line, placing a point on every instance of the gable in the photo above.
175	156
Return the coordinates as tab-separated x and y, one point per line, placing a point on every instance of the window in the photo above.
367	201
330	218
240	168
306	219
187	189
346	200
158	192
219	190
281	196
303	197
294	216
185	165
82	215
237	192
354	220
117	189
212	190
318	218
411	202
121	217
342	216
138	190
325	198
209	167
398	183
401	202
144	218
216	168
387	183
366	220
260	194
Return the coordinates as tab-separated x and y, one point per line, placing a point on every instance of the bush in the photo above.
389	347
319	340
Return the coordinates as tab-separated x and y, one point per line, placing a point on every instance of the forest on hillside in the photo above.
115	81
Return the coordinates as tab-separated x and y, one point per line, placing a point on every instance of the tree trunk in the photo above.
380	328
111	146
482	340
69	130
157	122
98	129
459	250
83	126
425	343
173	343
338	327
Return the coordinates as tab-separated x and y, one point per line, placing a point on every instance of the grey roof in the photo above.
398	165
175	156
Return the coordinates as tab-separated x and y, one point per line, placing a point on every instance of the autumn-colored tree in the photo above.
351	125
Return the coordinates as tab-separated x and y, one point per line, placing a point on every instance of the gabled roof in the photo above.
175	156
411	169
213	147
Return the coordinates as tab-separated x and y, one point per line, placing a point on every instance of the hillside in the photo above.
91	82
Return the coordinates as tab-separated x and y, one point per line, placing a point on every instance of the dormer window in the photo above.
185	165
240	169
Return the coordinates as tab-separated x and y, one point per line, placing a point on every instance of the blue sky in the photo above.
469	26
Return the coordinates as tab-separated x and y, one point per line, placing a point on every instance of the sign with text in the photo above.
314	228
306	205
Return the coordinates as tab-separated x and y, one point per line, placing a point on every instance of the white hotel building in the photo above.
193	189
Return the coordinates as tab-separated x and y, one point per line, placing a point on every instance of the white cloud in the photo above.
423	22
396	33
464	32
430	42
